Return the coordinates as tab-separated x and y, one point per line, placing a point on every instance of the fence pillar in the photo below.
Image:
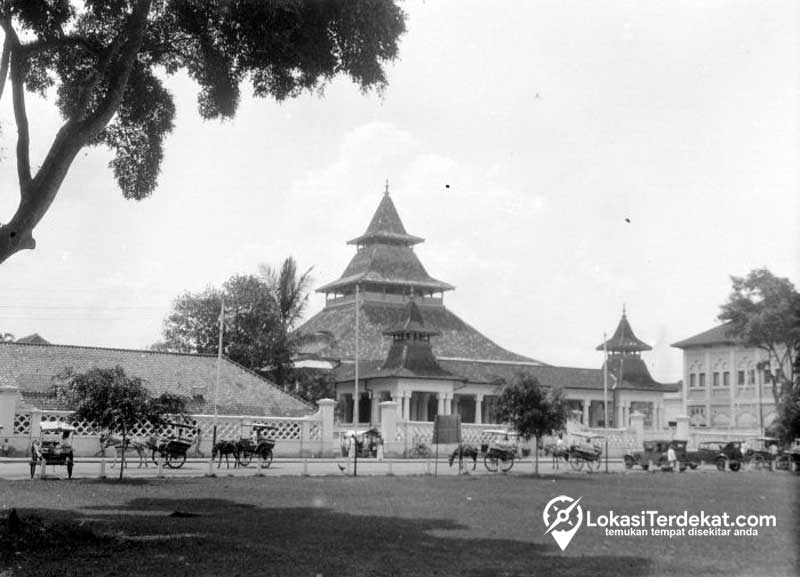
326	425
637	427
389	426
682	428
8	408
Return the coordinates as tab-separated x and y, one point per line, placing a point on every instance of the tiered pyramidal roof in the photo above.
625	364
385	261
388	274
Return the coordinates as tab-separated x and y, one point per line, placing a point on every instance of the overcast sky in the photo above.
561	159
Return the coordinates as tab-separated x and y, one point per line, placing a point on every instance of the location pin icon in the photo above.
573	520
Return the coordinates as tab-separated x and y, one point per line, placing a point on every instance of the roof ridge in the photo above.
123	350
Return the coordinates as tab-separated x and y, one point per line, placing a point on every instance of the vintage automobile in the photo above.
655	453
54	447
720	453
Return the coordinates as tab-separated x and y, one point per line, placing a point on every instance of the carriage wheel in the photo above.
629	462
245	457
490	462
266	458
735	465
576	462
506	463
593	464
175	460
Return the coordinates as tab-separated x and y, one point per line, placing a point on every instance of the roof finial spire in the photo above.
623	309
386	188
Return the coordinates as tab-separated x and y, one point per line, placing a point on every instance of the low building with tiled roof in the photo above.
727	384
33	368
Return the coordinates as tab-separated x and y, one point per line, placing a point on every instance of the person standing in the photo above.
671	458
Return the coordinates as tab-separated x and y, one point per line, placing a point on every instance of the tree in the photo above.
290	293
115	401
533	410
6	338
763	311
260	313
104	61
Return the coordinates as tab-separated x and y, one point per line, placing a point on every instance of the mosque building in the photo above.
386	325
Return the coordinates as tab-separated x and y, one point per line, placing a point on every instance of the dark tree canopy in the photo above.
260	313
533	410
104	60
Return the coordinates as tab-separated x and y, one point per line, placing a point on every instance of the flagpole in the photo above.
605	396
355	396
219	365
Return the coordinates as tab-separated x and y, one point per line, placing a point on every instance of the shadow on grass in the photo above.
220	537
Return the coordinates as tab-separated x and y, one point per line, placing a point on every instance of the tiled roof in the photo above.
491	373
34	339
624	340
386	226
386	265
719	335
332	333
32	369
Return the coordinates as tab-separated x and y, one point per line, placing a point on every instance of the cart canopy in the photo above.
55	427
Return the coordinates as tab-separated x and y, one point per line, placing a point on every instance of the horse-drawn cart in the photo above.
171	449
586	451
500	450
54	447
259	444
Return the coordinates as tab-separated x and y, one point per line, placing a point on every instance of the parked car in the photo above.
655	453
720	453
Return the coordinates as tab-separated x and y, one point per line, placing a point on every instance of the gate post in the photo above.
325	415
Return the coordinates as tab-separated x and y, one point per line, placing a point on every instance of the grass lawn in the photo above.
468	526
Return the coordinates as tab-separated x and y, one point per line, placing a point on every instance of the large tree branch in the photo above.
37	194
4	61
17	69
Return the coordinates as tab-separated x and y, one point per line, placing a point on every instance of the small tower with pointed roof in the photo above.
411	353
625	363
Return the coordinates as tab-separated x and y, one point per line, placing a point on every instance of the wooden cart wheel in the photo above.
266	458
175	460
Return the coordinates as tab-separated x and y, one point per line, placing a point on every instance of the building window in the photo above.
740	378
726	379
715	379
692	380
702	383
751	377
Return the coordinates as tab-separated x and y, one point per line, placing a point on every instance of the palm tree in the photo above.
290	294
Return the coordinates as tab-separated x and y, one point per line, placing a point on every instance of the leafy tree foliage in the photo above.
260	313
104	62
533	410
115	401
764	312
6	338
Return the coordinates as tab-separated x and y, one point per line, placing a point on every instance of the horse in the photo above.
115	442
558	452
464	451
226	448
